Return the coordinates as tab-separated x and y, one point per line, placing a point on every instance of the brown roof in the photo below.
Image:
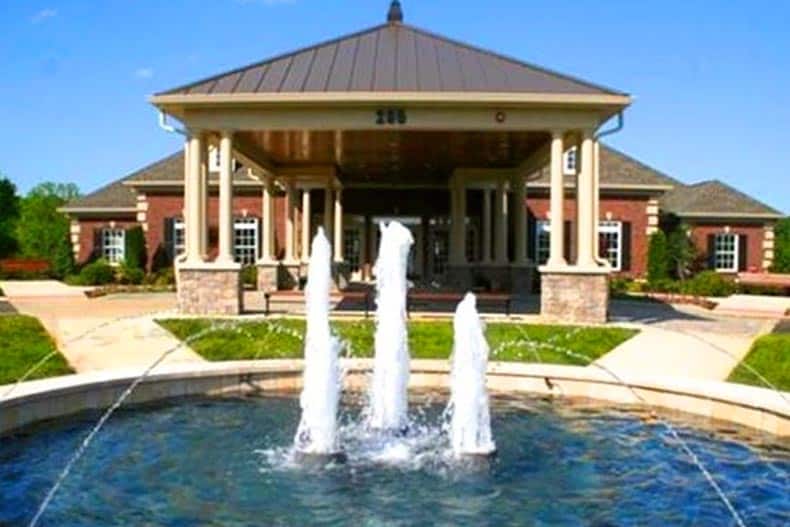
116	195
392	57
619	169
714	199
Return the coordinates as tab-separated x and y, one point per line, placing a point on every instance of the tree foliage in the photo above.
9	214
43	231
681	253
782	246
657	258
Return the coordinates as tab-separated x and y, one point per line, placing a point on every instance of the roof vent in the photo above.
395	14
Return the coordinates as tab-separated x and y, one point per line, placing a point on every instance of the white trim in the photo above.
735	252
612	227
113	245
570	161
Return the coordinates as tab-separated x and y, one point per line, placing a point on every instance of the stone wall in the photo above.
575	298
207	291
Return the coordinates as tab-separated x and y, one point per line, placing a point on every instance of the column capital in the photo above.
558	134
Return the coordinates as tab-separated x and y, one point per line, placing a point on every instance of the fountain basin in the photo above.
227	461
34	401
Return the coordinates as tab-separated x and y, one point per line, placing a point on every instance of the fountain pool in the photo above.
225	461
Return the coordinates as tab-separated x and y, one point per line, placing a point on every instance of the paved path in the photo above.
110	332
40	289
682	341
777	306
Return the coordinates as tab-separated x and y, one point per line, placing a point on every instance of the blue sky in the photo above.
711	79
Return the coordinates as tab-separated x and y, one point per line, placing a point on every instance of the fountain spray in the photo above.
470	421
317	432
388	396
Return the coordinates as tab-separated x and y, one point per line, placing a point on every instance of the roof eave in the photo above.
727	215
94	210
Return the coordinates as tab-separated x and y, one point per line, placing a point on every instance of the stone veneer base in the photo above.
210	290
749	406
574	297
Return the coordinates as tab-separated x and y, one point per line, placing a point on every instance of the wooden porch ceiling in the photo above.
419	157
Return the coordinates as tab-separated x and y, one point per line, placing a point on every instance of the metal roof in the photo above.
393	57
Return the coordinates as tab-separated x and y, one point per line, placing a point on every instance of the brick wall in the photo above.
755	234
89	230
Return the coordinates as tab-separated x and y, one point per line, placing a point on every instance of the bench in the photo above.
365	296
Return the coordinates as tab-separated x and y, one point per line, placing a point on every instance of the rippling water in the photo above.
228	462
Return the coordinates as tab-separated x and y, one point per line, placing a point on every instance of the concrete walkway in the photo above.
776	306
113	332
40	289
685	341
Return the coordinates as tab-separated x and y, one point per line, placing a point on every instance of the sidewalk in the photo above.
114	332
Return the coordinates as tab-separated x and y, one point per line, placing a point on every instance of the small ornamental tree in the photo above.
657	258
681	253
62	262
782	247
135	248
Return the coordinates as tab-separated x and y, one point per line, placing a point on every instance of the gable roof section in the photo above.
115	197
391	57
714	199
621	171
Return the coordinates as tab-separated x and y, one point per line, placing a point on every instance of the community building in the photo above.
495	165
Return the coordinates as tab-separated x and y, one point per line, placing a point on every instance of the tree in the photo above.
9	213
657	259
681	252
782	247
43	231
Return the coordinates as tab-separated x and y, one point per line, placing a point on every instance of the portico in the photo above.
341	139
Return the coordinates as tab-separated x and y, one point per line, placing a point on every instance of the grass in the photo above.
770	356
281	339
23	343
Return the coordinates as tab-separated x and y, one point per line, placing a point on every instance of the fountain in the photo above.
317	432
388	395
470	421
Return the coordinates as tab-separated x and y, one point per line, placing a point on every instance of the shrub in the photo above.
162	278
135	248
709	283
97	273
249	276
131	275
619	286
657	258
682	254
62	262
782	247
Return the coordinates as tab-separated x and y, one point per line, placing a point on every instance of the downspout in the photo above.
597	175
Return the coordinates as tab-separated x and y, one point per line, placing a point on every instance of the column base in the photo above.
267	276
575	296
208	289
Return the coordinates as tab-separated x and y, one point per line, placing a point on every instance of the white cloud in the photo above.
144	73
44	14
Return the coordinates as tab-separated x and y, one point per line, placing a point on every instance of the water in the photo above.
470	422
317	432
389	396
211	462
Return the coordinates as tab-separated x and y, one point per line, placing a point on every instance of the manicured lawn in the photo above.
427	340
23	343
770	356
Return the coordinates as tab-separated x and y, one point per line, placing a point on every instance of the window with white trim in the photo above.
245	240
542	241
352	248
179	237
610	238
569	161
113	245
725	255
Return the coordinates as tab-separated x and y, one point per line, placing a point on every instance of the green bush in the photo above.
62	261
657	258
249	276
782	247
96	273
130	275
709	283
162	278
619	285
135	248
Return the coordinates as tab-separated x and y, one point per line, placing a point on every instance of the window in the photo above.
542	241
113	245
610	239
725	252
569	161
352	248
213	159
472	244
179	237
245	240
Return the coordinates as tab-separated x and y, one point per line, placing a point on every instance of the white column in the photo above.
501	223
225	198
290	223
328	207
338	228
192	200
557	218
520	216
306	213
596	201
585	204
203	222
267	222
487	226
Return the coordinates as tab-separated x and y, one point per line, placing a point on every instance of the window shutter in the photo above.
169	237
569	237
743	255
97	244
532	235
711	251
625	246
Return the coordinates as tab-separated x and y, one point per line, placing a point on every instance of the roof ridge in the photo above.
741	194
510	58
271	59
